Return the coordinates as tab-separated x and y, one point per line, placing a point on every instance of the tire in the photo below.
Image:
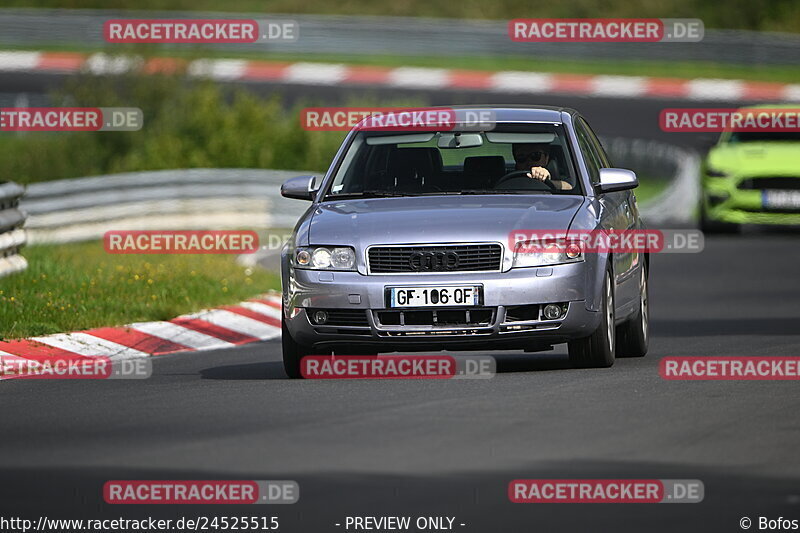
597	350
633	335
292	352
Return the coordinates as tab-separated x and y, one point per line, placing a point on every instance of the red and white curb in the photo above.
251	321
408	77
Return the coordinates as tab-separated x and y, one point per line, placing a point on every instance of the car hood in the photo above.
757	158
438	219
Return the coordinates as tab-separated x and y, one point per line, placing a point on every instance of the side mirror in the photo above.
617	179
300	188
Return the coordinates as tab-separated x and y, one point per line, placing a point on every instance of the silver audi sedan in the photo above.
412	243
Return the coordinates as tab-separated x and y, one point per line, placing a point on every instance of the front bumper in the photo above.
565	284
724	201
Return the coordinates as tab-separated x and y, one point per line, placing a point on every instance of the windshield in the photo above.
530	160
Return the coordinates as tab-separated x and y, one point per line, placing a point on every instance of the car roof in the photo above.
514	113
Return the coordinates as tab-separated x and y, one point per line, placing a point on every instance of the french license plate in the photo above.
435	296
781	199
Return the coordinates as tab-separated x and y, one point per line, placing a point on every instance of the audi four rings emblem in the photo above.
428	261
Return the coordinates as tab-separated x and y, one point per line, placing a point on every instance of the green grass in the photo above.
185	126
775	15
71	287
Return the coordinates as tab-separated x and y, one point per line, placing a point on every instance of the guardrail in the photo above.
85	208
677	203
369	35
12	236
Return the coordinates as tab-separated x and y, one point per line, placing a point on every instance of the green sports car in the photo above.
751	178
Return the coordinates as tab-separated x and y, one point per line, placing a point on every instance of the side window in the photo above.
587	150
601	153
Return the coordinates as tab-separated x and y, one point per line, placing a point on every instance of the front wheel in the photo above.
597	350
633	335
293	352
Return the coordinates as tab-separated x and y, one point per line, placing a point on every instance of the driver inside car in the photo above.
534	158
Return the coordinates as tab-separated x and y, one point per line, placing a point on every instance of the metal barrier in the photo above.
677	203
364	35
85	208
12	236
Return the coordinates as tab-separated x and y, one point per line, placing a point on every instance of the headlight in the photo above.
714	173
325	258
536	253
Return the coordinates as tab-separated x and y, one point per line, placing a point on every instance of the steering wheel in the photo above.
516	174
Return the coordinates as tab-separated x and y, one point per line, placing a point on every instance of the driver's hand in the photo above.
539	173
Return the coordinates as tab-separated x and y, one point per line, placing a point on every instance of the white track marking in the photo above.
263	309
89	345
521	82
238	323
19	60
181	335
316	73
419	77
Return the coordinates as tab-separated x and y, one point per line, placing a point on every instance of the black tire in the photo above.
708	225
633	335
293	352
597	350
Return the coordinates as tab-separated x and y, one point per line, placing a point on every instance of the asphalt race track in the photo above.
449	448
437	447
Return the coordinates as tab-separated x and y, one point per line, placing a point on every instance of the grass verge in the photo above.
70	287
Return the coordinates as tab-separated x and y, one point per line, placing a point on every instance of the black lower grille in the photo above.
474	316
522	313
339	317
449	258
777	183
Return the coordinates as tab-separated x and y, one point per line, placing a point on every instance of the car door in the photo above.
616	214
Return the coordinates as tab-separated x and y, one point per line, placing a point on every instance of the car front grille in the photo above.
443	258
457	317
776	183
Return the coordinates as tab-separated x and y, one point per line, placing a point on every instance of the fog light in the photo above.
552	311
573	250
320	317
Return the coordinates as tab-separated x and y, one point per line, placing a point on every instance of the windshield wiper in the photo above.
372	194
501	191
